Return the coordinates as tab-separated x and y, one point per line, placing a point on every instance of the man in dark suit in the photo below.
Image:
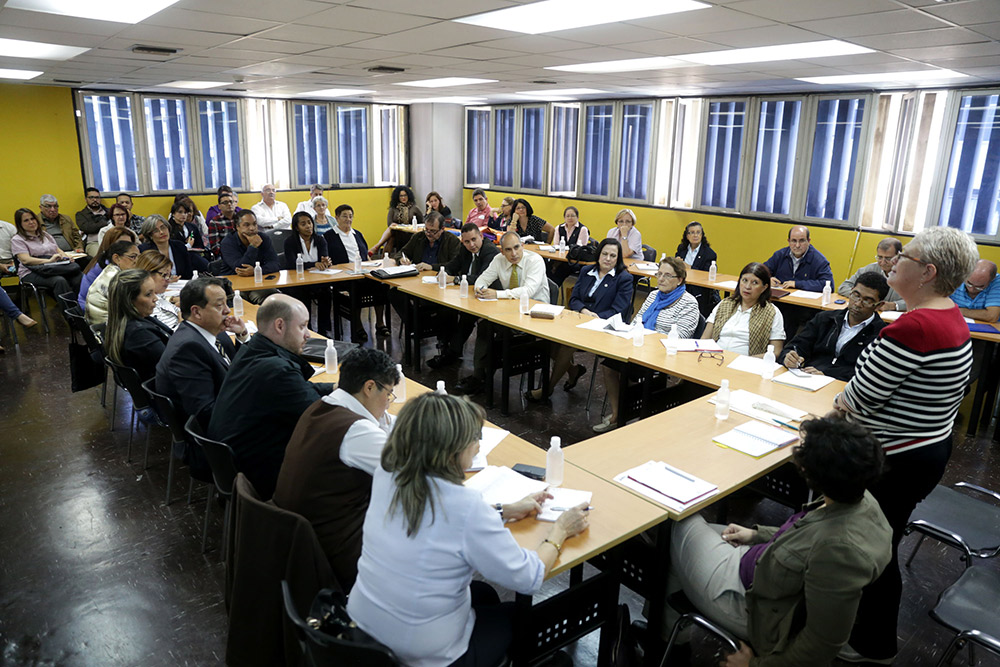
199	353
472	259
242	250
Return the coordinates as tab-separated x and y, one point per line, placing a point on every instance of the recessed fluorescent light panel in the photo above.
447	100
919	76
118	11
560	92
337	92
195	85
445	82
20	74
19	48
554	15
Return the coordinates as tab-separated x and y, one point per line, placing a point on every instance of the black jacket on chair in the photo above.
191	371
338	253
465	264
293	247
613	295
186	262
145	341
707	298
817	344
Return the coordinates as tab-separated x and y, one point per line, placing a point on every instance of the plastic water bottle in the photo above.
385	260
713	272
237	304
300	267
463	287
525	305
768	372
194	275
258	274
441	391
442	278
554	462
562	245
638	335
357	264
414	221
400	390
722	401
330	359
827	293
673	341
663	256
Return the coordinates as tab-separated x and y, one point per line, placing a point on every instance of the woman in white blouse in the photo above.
166	310
425	535
747	322
625	233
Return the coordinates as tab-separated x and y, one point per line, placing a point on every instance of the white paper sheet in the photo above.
500	484
562	499
892	315
646	266
809	382
373	262
429	280
695	345
749	364
491	438
326	272
743	402
728	285
806	294
547	248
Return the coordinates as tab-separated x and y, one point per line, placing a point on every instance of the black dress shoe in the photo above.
360	337
469	385
443	359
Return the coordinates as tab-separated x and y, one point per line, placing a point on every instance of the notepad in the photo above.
667	485
545	311
808	382
695	345
563	499
755	438
491	438
744	402
547	248
429	280
326	272
500	484
806	294
645	266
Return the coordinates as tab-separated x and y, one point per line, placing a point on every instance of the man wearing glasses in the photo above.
337	445
831	342
223	223
91	218
428	251
979	297
885	257
61	228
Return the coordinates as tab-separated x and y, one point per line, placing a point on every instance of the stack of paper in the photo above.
756	406
491	438
646	266
545	310
561	500
667	485
891	315
695	345
751	365
756	439
807	381
429	280
500	484
372	263
547	248
326	272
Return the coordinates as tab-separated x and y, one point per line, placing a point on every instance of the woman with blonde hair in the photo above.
426	534
625	233
159	266
133	338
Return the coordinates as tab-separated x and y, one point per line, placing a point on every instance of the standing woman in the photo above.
526	223
747	322
426	534
35	249
167	308
906	390
625	233
402	209
133	338
121	255
697	254
155	234
315	254
322	220
574	233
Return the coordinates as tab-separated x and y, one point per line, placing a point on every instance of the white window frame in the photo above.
335	150
519	147
578	139
293	147
699	182
197	143
749	159
616	114
618	128
489	147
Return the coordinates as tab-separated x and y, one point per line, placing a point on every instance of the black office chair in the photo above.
278	237
128	379
648	253
23	288
959	520
67	301
325	650
179	443
969	609
690	616
222	462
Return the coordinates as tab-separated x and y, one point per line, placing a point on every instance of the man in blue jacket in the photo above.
799	266
242	250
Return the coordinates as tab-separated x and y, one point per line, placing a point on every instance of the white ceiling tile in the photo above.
485	67
962	64
434	36
765	36
919	38
335	53
539	60
50	36
986	73
991	30
935	53
599	54
276	46
315	35
156	36
968	12
470	51
608	35
512	46
236	25
221	63
442	9
272	68
315	61
365	20
286	10
713	19
873	24
806	10
58	23
672	46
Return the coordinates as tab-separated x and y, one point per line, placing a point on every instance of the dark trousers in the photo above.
483	350
460	326
560	271
257	296
58	284
909	478
493	631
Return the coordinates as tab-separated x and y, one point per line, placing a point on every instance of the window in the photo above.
687	139
972	189
503	149
352	144
312	144
777	135
167	143
220	143
598	119
267	143
477	147
532	147
723	143
387	152
562	169
637	149
664	153
111	142
836	144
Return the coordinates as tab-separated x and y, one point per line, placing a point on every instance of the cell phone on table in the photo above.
534	472
270	277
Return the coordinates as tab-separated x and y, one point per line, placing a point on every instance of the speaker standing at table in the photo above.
799	266
747	322
315	254
426	535
697	254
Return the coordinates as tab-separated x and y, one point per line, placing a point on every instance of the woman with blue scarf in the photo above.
669	304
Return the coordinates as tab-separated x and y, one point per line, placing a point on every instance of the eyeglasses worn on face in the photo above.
867	302
163	274
132	256
903	255
392	395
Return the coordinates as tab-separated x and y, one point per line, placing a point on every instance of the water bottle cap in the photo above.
770	348
236	293
555	441
725	384
256	263
329	343
440	384
399	367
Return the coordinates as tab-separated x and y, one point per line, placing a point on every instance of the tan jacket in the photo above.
69	231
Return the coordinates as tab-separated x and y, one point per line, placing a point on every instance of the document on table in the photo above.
372	263
545	310
500	484
396	270
547	248
429	280
491	438
756	406
614	325
484	298
667	485
808	382
749	364
646	266
806	294
695	345
755	438
326	272
561	500
728	285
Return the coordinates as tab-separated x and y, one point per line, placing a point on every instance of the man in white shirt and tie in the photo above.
520	272
271	213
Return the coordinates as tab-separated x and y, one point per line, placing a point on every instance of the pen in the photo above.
678	473
563	509
786	425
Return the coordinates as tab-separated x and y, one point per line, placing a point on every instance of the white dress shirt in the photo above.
735	334
309	254
7	232
350	243
692	254
362	445
847	332
531	277
278	217
306	206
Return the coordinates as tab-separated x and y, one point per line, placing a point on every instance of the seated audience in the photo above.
159	267
184	226
241	252
668	305
472	259
215	210
265	392
198	355
91	218
312	247
603	290
697	254
792	590
501	221
526	223
403	210
13	312
434	203
574	233
59	226
100	260
133	337
481	213
420	512
322	219
885	257
315	191
747	322
7	232
134	221
347	245
199	219
799	266
42	262
222	223
336	446
271	213
156	236
831	342
979	297
518	271
119	219
121	255
626	234
432	249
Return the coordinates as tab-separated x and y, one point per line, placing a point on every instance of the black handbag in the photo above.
84	371
52	270
328	615
582	253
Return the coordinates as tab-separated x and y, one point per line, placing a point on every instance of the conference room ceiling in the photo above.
289	48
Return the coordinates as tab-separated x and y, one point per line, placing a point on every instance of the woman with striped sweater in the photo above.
906	391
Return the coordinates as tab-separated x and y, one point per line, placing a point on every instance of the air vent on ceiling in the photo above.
236	90
67	82
544	82
385	69
154	50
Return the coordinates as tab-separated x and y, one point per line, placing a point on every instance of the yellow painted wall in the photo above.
737	241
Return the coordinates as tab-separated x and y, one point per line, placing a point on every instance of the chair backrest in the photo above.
322	649
221	458
700	329
278	237
67	300
648	253
553	292
128	378
165	408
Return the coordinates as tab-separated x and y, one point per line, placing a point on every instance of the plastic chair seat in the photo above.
968	607
959	519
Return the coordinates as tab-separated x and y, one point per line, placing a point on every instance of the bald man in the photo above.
979	297
265	392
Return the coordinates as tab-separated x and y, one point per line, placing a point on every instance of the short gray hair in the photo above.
952	252
320	198
890	243
146	231
47	199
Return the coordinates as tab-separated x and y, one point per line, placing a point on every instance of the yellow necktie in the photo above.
513	277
